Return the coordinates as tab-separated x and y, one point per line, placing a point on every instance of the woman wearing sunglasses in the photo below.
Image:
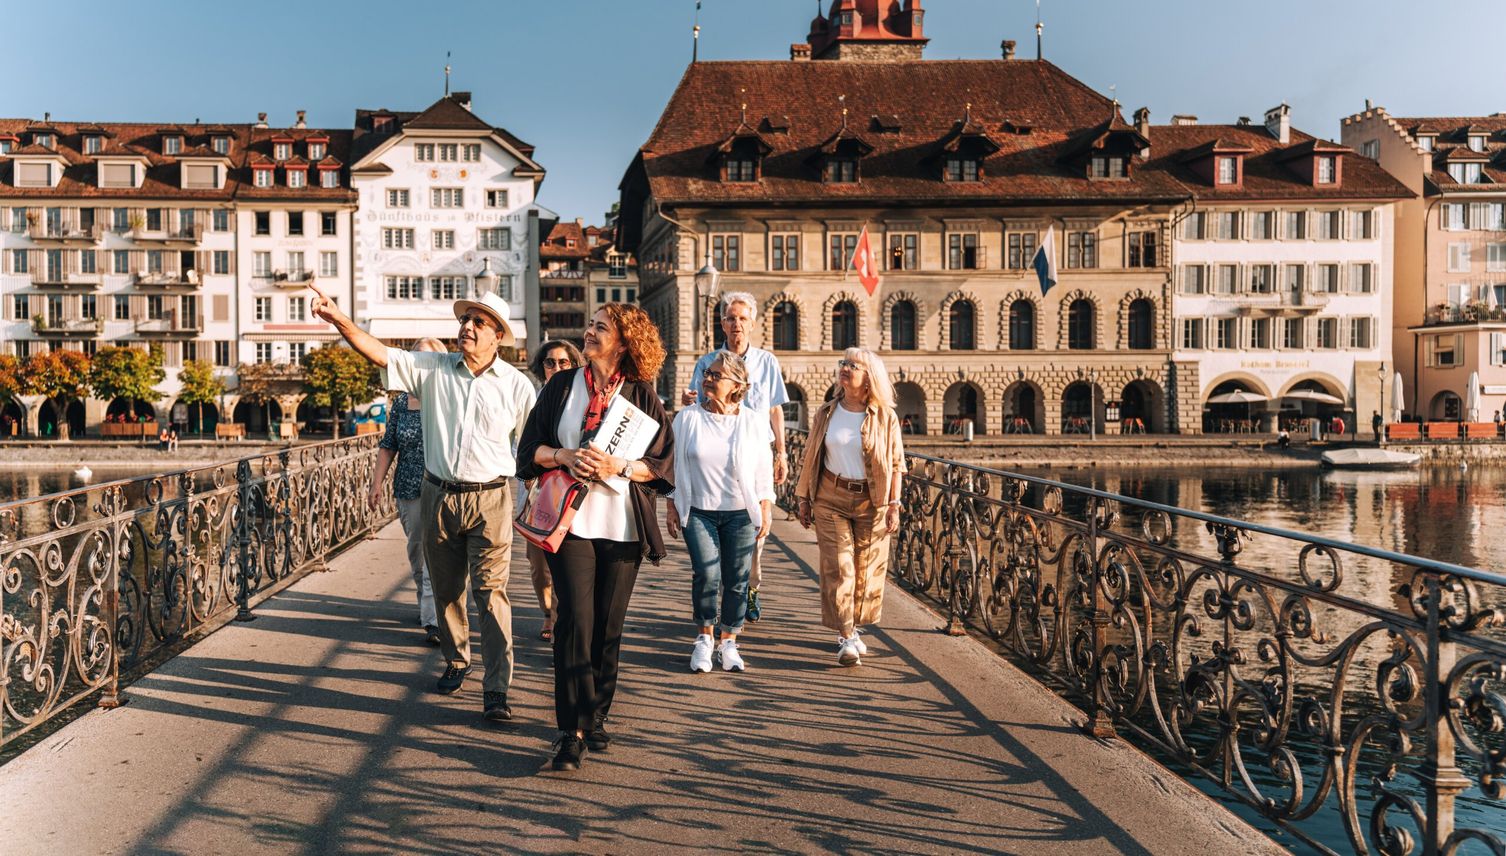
723	502
552	357
849	490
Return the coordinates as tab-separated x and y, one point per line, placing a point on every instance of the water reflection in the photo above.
31	482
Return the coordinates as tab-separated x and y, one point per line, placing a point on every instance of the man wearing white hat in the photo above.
475	405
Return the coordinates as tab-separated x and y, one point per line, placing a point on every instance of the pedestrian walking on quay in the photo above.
403	441
552	357
474	404
766	392
615	527
849	489
723	502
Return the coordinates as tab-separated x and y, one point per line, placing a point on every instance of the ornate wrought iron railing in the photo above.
99	580
1353	696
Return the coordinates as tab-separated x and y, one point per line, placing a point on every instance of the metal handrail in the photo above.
96	581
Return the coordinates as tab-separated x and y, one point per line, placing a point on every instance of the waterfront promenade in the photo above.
314	730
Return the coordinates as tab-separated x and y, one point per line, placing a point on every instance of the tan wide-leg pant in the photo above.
854	556
470	538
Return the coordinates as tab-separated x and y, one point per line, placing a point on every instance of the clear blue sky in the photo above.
584	80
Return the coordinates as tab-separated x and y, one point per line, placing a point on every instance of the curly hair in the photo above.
645	350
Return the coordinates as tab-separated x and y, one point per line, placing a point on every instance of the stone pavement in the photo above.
314	730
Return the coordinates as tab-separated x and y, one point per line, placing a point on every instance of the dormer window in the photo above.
381	124
93	143
329	178
172	145
1325	169
43	140
282	151
741	167
1107	166
841	171
221	145
316	151
962	168
297	178
263	176
1466	173
1425	142
6	146
1228	169
1477	142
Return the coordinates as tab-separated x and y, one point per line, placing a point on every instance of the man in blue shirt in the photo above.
765	392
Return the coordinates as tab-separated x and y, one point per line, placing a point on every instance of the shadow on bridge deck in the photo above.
314	730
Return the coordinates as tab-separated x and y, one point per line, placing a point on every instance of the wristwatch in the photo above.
627	470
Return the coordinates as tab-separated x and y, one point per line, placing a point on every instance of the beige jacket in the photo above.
883	452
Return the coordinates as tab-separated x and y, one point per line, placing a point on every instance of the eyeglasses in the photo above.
854	365
715	376
565	363
476	320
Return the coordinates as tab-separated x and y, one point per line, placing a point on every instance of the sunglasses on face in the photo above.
477	321
564	363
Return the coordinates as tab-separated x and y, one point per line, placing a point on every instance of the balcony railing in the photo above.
101	580
292	278
170	234
67	326
1352	695
59	279
562	274
172	322
1469	313
67	231
167	279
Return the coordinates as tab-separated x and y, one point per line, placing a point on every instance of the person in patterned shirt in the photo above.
404	440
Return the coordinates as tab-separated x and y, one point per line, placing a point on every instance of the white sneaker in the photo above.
857	642
731	660
847	652
700	655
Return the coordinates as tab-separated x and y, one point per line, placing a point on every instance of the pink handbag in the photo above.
551	506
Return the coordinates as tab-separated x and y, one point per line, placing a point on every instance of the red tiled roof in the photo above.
925	98
555	246
133	139
446	114
1268	173
1457	129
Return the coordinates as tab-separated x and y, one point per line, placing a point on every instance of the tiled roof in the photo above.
1041	106
555	246
1268	167
1451	147
258	150
446	114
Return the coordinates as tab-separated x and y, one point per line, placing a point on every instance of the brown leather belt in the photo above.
464	487
855	486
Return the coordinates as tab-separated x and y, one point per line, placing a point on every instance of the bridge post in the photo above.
243	543
1100	722
1439	774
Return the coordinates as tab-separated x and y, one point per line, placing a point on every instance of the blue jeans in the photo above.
721	555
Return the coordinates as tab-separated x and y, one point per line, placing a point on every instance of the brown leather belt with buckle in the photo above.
846	484
464	487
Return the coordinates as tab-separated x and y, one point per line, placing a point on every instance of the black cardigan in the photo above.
542	429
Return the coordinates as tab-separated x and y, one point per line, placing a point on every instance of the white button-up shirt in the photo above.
471	422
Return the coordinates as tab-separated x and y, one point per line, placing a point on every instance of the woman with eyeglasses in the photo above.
849	490
552	357
596	565
723	502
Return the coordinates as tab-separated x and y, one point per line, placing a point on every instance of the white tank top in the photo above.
844	443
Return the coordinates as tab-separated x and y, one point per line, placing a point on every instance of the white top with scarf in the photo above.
605	513
746	458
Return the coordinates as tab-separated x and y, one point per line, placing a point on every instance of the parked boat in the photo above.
1369	459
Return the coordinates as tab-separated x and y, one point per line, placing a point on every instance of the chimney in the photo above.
1008	46
301	116
261	120
1244	122
800	52
1142	122
462	98
1183	119
1278	121
46	118
579	221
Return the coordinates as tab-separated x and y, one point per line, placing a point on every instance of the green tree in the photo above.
339	377
10	387
60	375
254	384
200	387
131	373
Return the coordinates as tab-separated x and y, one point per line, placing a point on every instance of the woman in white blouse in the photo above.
723	502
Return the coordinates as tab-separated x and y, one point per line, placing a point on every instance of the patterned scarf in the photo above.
600	398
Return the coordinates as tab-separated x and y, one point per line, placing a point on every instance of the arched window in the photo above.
1142	325
1080	325
1022	325
786	327
844	326
902	326
961	318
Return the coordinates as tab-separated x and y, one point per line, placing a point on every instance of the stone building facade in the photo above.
957	170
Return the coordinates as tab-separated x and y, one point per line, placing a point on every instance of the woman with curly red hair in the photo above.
597	564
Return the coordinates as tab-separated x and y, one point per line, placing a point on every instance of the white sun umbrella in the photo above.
1238	396
1397	402
1313	395
1490	297
1472	398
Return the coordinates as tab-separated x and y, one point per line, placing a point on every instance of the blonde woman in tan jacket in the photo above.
849	489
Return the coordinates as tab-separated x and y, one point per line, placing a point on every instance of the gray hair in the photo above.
735	368
745	299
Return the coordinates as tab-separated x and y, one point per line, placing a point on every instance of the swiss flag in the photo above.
865	264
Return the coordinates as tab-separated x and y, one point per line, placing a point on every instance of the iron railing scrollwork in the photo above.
98	580
1354	696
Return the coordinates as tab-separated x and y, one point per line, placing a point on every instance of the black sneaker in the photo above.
494	706
449	682
598	738
431	634
569	751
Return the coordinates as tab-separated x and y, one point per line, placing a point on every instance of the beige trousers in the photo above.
854	550
470	538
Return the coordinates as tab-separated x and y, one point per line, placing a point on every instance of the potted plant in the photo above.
136	221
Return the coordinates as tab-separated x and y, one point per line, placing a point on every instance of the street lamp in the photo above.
486	280
706	281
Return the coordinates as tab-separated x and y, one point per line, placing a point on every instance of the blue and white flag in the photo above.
1045	261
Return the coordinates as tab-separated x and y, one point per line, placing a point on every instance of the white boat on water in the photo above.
1369	459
